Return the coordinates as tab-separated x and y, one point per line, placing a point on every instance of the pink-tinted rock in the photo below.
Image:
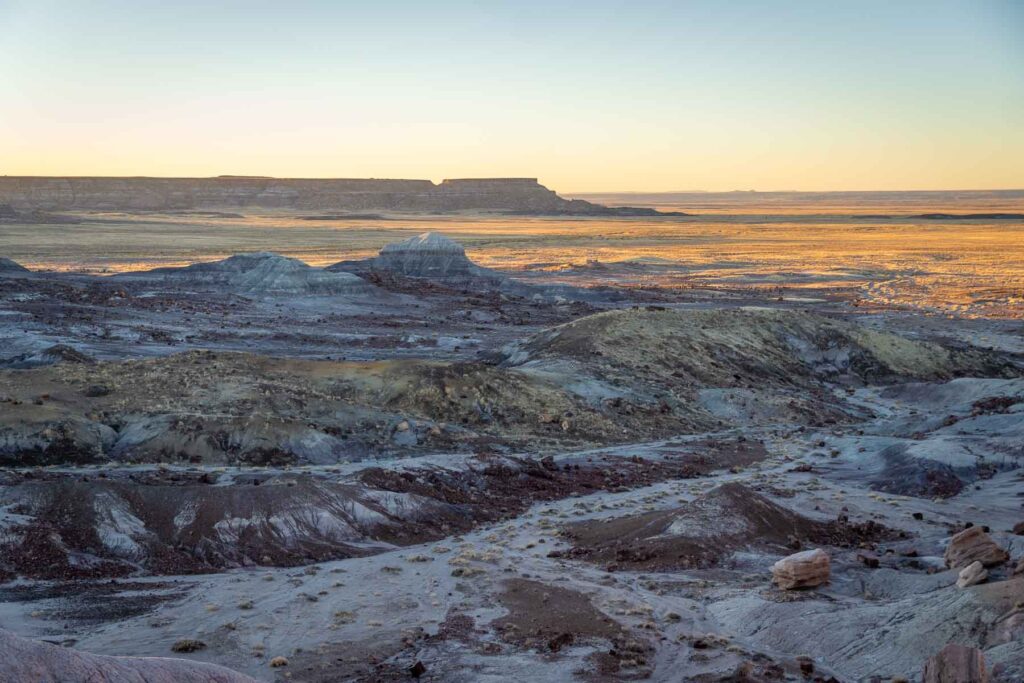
28	660
802	570
974	545
956	664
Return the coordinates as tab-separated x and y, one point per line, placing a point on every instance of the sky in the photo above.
587	96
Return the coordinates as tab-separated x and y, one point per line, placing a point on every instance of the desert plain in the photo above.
753	437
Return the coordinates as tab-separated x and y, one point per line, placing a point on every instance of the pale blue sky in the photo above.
586	95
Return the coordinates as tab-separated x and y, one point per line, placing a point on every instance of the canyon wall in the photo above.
226	192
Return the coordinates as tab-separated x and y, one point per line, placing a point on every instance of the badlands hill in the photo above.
9	267
443	261
505	195
430	256
605	378
258	273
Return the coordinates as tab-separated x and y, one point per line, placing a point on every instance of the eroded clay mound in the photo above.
432	263
63	525
743	347
239	408
28	660
258	273
706	531
9	267
166	523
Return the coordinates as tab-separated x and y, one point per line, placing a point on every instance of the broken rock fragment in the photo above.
971	574
802	570
956	664
974	545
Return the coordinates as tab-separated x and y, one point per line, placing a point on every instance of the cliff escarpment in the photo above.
506	195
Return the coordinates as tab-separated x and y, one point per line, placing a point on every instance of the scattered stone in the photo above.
417	669
806	665
956	664
805	569
278	662
869	560
973	544
561	640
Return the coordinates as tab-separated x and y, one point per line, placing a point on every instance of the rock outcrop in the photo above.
806	569
258	273
504	195
27	660
973	545
956	664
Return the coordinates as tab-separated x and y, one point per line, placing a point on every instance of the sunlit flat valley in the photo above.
880	249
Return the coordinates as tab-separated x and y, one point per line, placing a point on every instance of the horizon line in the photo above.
230	176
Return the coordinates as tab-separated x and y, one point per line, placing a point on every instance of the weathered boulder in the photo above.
956	664
802	570
972	574
973	545
28	660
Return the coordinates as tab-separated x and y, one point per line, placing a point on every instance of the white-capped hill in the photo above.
430	255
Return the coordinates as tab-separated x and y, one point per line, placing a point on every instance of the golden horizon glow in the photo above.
660	98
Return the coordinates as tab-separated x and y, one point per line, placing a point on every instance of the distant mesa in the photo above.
494	195
346	217
970	216
257	273
945	216
8	214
